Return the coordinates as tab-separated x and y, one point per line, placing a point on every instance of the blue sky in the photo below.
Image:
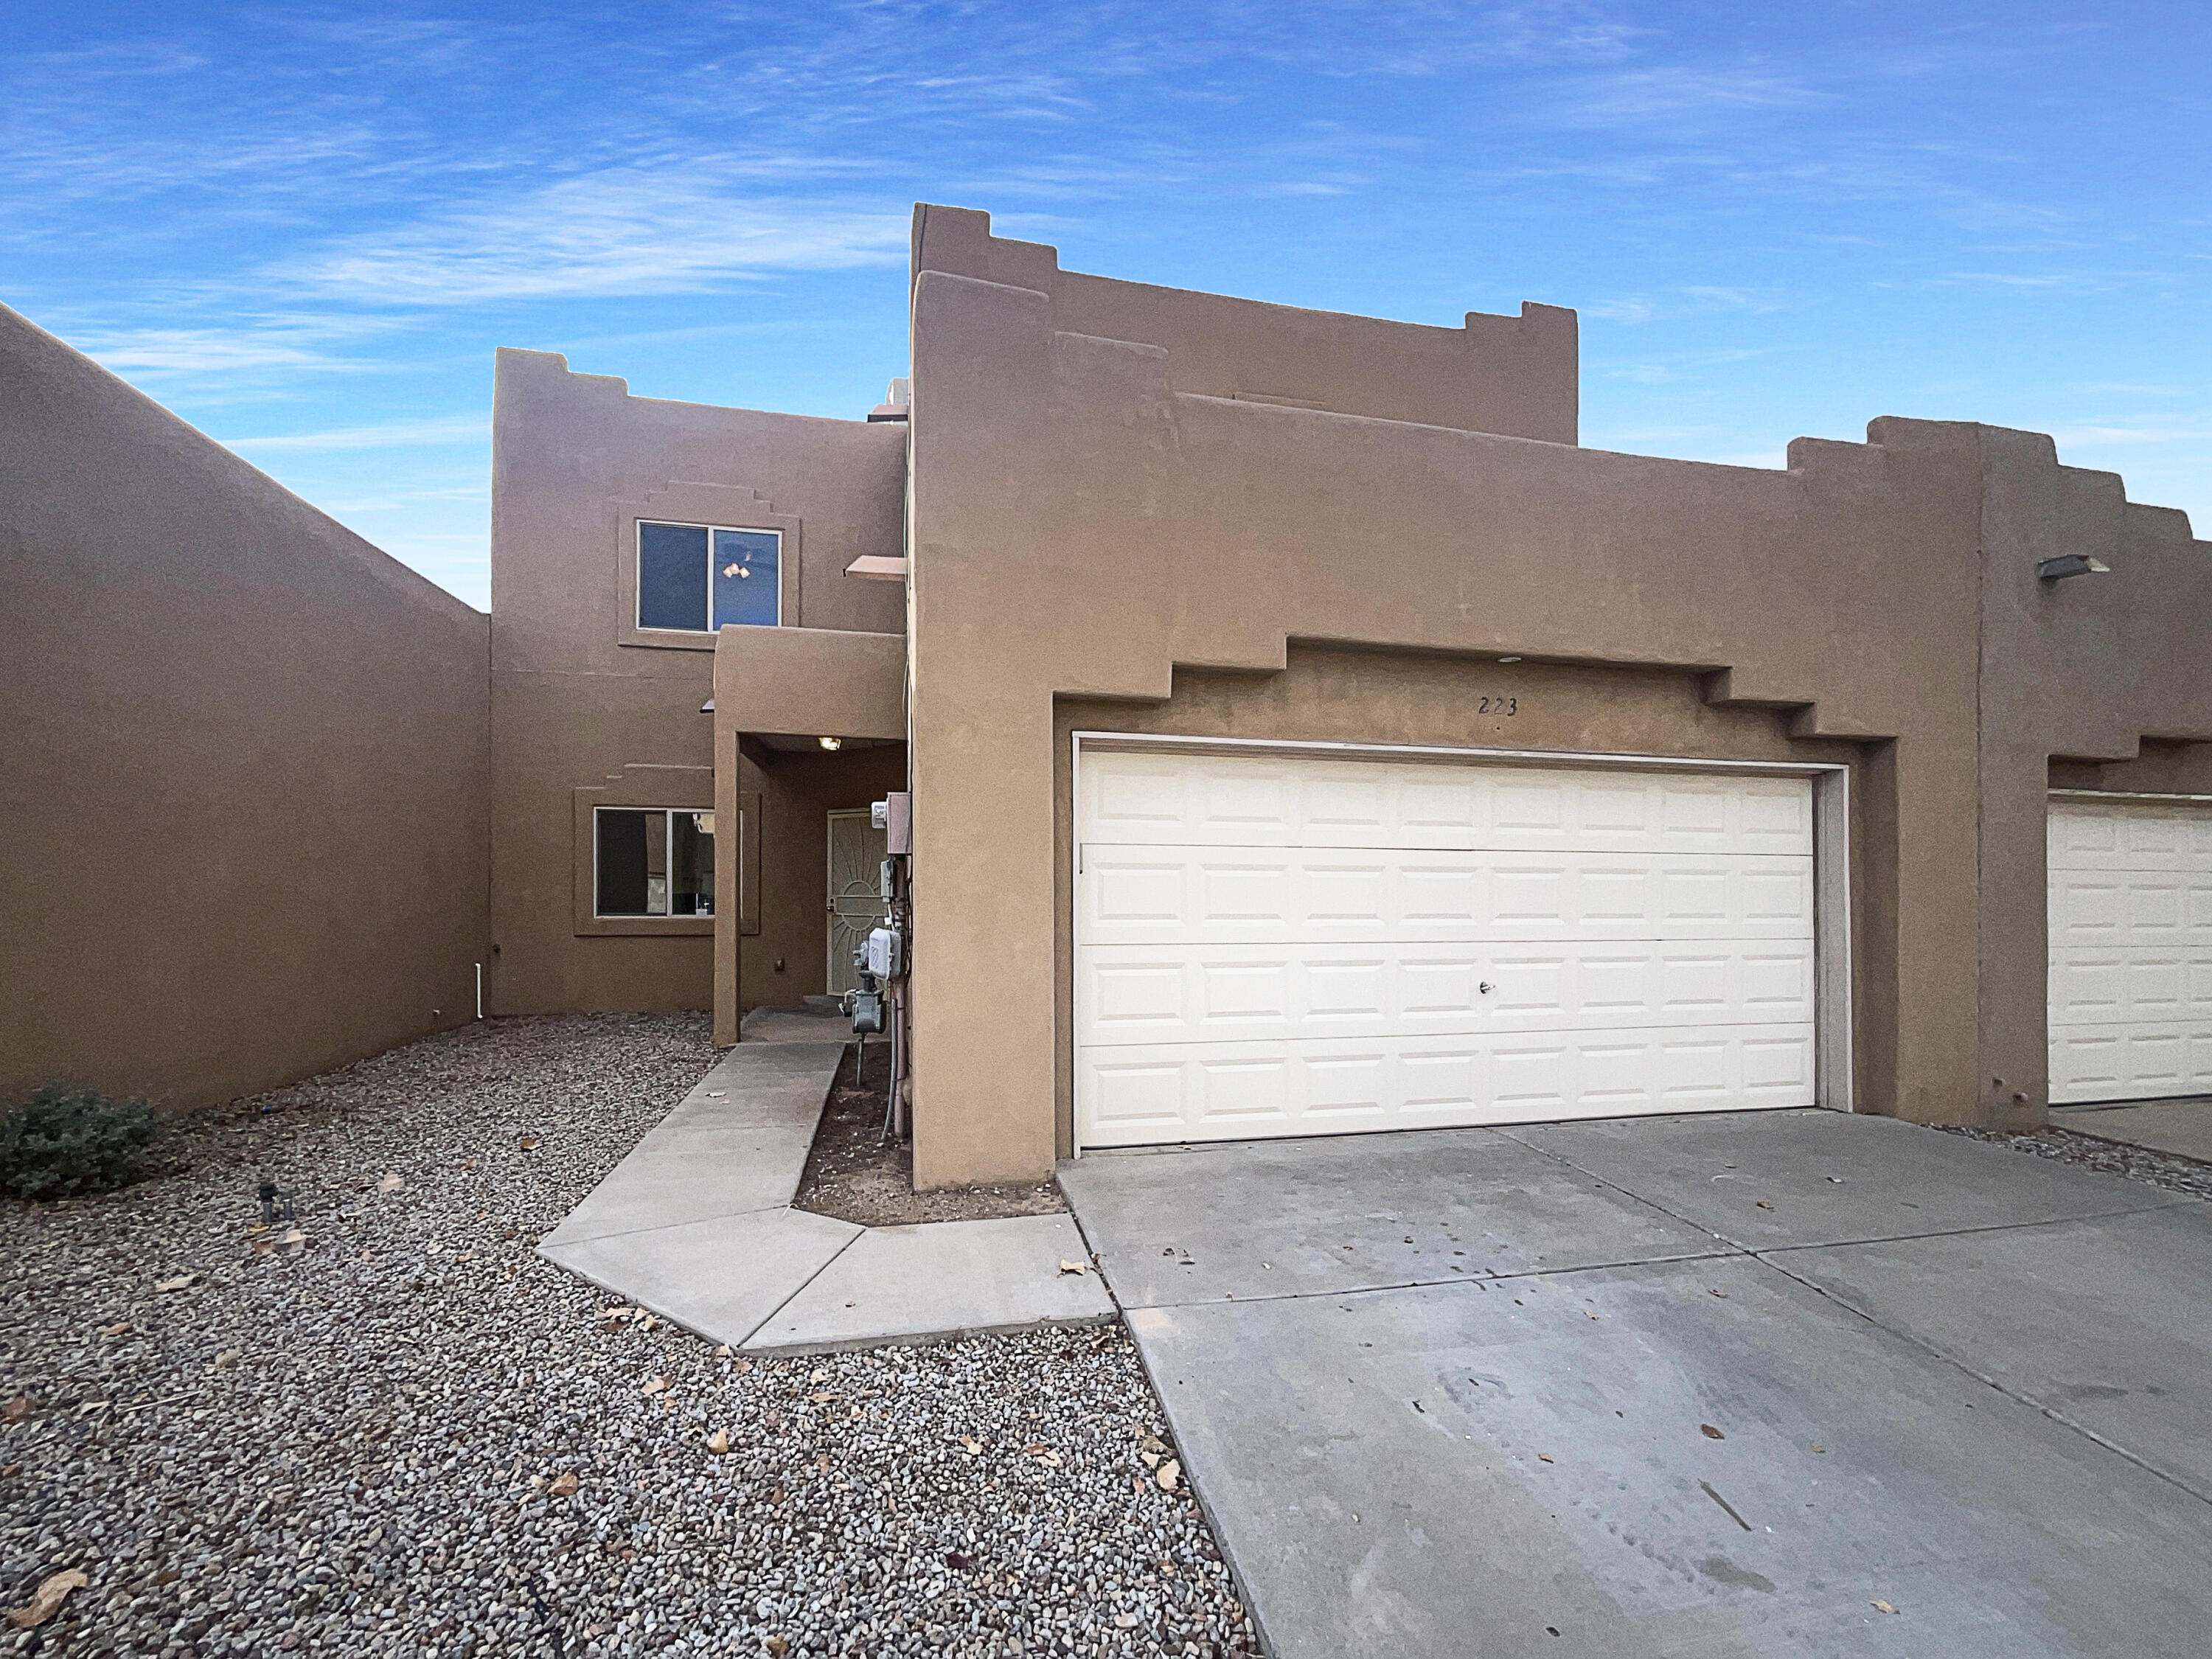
307	227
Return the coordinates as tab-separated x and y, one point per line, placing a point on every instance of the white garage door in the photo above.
2130	950
1288	945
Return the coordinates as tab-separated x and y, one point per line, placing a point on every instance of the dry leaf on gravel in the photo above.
563	1486
971	1445
16	1409
1543	1457
1883	1606
122	1329
822	1399
655	1385
391	1183
1071	1267
181	1282
1710	1432
718	1442
528	1143
1168	1474
227	1360
47	1601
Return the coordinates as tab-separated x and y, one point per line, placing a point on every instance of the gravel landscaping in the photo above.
386	1427
2166	1169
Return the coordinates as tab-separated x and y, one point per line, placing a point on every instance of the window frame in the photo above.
652	789
668	816
703	506
706	574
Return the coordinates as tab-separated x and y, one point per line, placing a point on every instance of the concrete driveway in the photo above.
1762	1383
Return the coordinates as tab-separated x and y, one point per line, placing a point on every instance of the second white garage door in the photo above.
2131	924
1283	944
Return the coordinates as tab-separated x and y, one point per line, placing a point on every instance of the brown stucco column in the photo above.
730	832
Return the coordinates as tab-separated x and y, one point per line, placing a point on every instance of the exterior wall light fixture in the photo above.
2070	564
707	706
831	743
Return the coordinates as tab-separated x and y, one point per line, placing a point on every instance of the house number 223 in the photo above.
1500	705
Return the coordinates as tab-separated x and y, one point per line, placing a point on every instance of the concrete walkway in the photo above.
1783	1383
697	1225
2182	1128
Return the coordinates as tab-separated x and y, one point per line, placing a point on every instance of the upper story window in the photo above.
695	578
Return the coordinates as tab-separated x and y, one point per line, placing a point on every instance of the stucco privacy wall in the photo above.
2083	670
1334	695
1517	375
1212	531
242	760
578	696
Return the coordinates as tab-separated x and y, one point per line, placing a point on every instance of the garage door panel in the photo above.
2144	1061
2130	836
1135	798
2099	986
1228	1091
2131	910
2130	950
1202	896
1133	994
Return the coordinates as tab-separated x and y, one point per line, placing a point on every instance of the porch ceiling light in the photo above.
831	743
2070	564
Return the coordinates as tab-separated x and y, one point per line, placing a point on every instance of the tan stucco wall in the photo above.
1155	528
2074	671
1516	375
1333	694
576	461
242	760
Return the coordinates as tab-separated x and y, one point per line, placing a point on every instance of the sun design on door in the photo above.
856	857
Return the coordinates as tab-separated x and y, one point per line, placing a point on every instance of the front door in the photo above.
856	857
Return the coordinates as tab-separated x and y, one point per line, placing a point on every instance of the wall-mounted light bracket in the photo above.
2070	564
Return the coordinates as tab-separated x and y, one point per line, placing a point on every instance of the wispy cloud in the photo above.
1678	93
2128	435
1696	300
188	351
672	229
394	434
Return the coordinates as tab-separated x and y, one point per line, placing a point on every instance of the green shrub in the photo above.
60	1141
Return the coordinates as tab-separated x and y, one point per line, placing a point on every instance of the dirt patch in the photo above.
853	1177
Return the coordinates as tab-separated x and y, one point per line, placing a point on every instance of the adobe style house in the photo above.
1303	735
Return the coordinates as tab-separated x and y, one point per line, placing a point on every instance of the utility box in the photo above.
883	955
894	816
